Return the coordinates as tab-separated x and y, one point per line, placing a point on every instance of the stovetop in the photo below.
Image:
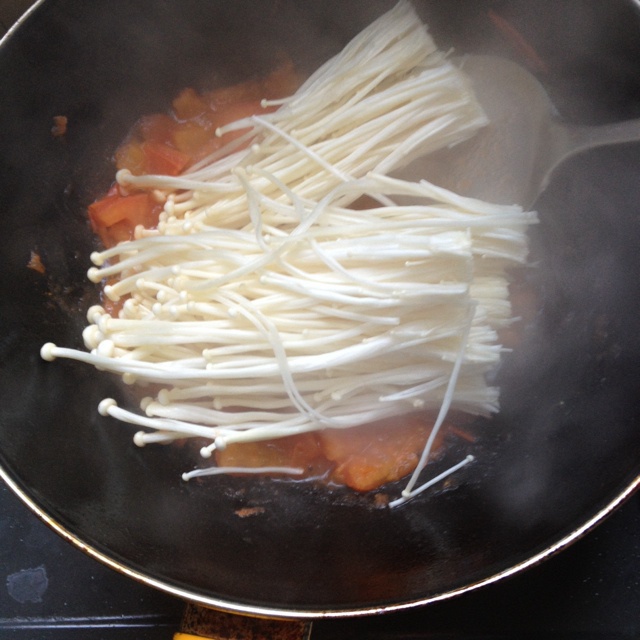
50	590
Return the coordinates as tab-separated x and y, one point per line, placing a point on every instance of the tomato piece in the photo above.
300	451
158	127
162	159
112	209
151	157
115	217
197	137
362	458
369	456
116	233
99	211
237	111
131	156
282	82
208	147
249	90
230	113
188	104
189	137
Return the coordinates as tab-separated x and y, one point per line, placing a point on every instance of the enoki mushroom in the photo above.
269	307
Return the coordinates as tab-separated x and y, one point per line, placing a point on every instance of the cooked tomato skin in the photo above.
370	456
115	217
363	458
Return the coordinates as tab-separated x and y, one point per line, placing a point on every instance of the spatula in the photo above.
513	158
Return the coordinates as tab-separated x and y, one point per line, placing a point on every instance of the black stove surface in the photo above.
50	590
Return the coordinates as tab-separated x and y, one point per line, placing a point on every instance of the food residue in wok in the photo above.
35	263
59	128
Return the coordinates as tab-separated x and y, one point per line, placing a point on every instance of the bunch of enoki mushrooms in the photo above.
267	303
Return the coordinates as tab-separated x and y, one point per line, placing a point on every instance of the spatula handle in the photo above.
200	623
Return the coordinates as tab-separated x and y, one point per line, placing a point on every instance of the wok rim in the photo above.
284	613
552	547
16	25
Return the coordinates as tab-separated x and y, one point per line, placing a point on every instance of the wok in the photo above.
562	453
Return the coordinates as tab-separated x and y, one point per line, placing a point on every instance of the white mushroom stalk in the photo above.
267	307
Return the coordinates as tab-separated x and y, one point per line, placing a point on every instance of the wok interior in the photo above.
565	443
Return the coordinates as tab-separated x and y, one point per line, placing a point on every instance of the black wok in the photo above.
563	452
